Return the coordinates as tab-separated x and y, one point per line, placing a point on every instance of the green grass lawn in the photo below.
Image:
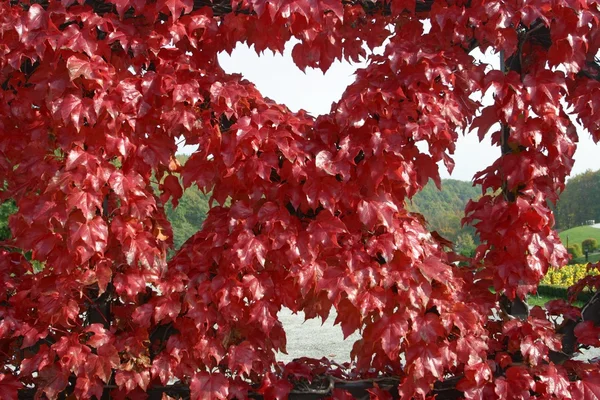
579	234
540	300
593	258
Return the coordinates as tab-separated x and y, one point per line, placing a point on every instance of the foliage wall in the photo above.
309	212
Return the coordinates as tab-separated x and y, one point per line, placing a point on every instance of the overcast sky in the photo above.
278	78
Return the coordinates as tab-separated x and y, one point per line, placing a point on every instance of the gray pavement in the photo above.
311	339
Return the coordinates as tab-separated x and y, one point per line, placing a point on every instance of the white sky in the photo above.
277	77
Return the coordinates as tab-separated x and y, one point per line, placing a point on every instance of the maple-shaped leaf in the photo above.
273	388
265	314
427	328
517	384
74	109
177	7
86	387
9	387
166	308
94	69
554	381
348	317
100	336
588	388
207	386
562	307
79	39
324	230
142	315
87	202
376	393
392	333
587	333
250	247
476	375
53	380
103	275
373	211
424	359
535	351
130	380
92	234
433	268
241	357
124	5
162	367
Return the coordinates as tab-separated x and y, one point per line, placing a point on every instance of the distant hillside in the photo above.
444	209
579	201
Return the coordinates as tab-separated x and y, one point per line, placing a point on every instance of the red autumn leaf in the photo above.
433	268
324	229
379	394
177	7
273	388
241	358
393	330
54	380
92	234
130	380
166	309
250	248
9	387
587	388
87	202
207	386
587	333
561	307
554	381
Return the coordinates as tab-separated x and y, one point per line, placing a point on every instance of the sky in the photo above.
277	77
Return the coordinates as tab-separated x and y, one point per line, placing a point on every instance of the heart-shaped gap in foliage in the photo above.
309	213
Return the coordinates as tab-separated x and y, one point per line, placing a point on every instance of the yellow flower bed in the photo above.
567	275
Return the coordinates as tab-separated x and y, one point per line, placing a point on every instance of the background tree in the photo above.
308	212
579	201
465	245
575	250
444	208
7	208
589	244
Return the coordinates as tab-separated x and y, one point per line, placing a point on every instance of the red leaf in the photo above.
324	230
273	388
92	234
379	394
588	388
166	309
53	380
171	189
130	380
433	268
561	307
394	330
587	333
207	386
9	387
250	247
87	202
241	358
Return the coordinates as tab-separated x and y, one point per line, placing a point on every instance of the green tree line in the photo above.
579	202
